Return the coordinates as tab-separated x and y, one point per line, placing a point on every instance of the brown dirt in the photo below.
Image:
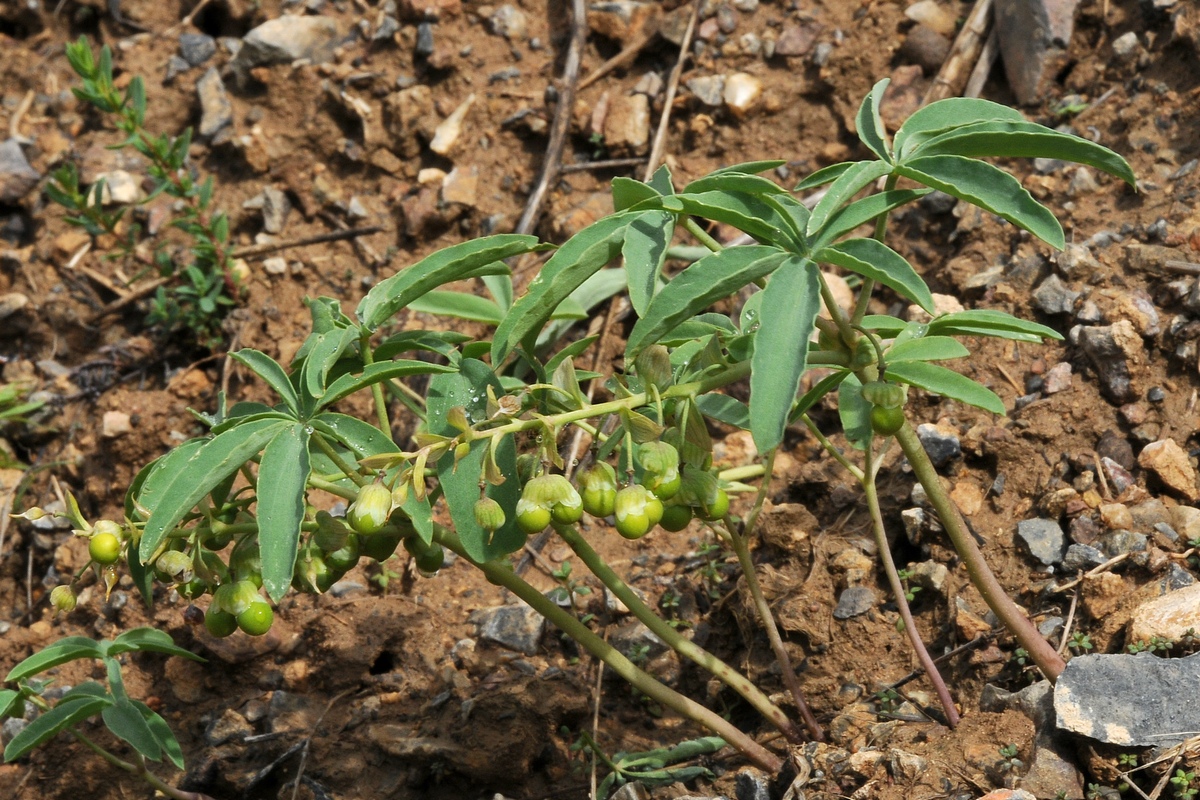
373	683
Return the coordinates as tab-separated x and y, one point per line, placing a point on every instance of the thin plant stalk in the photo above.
682	645
889	568
503	575
1022	629
139	769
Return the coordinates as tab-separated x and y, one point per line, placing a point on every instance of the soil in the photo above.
390	694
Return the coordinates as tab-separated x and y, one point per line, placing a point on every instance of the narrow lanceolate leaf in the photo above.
987	322
458	304
928	348
746	212
326	349
946	382
60	652
789	306
162	734
749	167
854	411
859	176
870	124
1010	139
644	251
148	639
824	175
126	722
864	210
377	373
578	259
875	260
450	264
60	718
282	476
627	192
196	477
988	187
696	288
724	408
272	373
944	115
733	181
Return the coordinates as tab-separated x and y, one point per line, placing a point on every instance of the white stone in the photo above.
446	135
741	93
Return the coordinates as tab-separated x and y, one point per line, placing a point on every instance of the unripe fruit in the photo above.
715	508
599	495
883	393
660	468
175	566
380	546
489	514
194	588
331	533
546	498
312	574
344	559
886	421
104	548
532	517
431	560
234	598
63	599
369	512
219	623
637	511
257	618
675	517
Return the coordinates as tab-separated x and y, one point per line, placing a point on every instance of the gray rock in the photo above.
1126	47
925	47
751	784
16	176
708	89
1053	297
196	48
1051	769
633	638
517	627
510	22
1051	627
1033	36
287	39
1110	349
930	576
11	727
1057	378
229	726
1176	578
1128	700
1082	557
176	66
1116	543
853	601
1044	538
424	46
1118	477
216	111
387	28
941	446
275	209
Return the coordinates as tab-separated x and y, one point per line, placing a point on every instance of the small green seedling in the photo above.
660	767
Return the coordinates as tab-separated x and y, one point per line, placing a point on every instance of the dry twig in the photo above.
963	55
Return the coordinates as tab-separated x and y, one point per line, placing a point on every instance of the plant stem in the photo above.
1049	661
503	575
368	358
139	769
868	285
889	568
682	645
830	447
702	235
350	472
741	473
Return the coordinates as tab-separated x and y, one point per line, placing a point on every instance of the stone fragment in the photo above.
517	627
275	265
741	93
114	424
176	66
1033	37
196	48
1043	538
416	10
627	125
1116	516
1170	463
854	600
1111	349
1081	558
1186	522
797	40
1169	616
509	21
751	784
1129	700
447	134
229	726
410	119
16	176
461	186
941	443
929	575
926	48
1057	378
968	497
1053	297
216	110
634	637
620	20
120	188
932	14
424	46
1118	543
708	89
286	39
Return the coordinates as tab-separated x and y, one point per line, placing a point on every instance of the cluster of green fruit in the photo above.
659	493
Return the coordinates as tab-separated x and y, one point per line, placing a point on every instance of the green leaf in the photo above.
441	342
696	288
62	651
460	483
724	408
327	348
853	180
944	115
946	382
362	438
861	211
875	260
749	167
272	374
282	476
12	703
824	175
193	479
789	306
927	348
644	251
870	125
750	316
347	385
1012	139
450	264
148	640
628	192
579	258
62	717
458	304
126	722
746	212
854	411
501	289
661	180
988	187
986	322
884	325
162	733
733	181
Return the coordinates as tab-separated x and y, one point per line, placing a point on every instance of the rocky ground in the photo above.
429	119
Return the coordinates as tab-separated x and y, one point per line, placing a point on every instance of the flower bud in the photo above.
234	598
660	468
489	514
370	509
882	393
63	599
331	533
103	526
32	514
555	493
599	483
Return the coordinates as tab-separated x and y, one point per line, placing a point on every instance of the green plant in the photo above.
131	721
651	768
492	431
1079	641
1010	763
1183	782
191	299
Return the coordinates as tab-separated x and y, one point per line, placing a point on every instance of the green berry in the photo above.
369	512
236	597
63	599
716	508
489	514
431	560
599	495
104	548
380	546
675	517
886	421
346	558
637	511
219	623
532	517
257	618
659	463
